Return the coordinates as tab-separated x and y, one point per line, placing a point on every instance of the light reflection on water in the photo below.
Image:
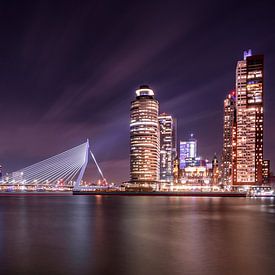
136	235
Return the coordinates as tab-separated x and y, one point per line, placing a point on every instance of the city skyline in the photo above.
54	95
137	137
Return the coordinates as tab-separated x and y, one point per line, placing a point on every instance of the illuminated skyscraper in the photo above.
228	165
144	138
188	150
250	91
167	140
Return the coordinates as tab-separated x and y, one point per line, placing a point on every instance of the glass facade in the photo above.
144	138
166	147
188	150
249	87
229	139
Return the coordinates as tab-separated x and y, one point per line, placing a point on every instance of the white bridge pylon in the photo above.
67	168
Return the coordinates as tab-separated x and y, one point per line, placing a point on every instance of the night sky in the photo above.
69	70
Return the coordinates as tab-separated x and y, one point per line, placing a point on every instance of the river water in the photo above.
136	235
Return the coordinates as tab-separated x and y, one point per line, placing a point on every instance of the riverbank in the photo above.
35	193
162	193
127	193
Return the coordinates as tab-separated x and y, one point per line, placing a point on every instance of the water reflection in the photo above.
136	235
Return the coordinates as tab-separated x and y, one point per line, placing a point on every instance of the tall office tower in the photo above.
167	139
188	149
250	91
144	138
228	165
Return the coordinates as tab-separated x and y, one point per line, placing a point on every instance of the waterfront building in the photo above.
167	139
197	161
250	117
175	140
176	171
144	138
228	165
215	170
195	174
266	171
193	169
188	151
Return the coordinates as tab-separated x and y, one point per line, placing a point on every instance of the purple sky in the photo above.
69	69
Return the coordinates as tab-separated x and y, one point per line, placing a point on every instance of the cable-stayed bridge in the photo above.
64	169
